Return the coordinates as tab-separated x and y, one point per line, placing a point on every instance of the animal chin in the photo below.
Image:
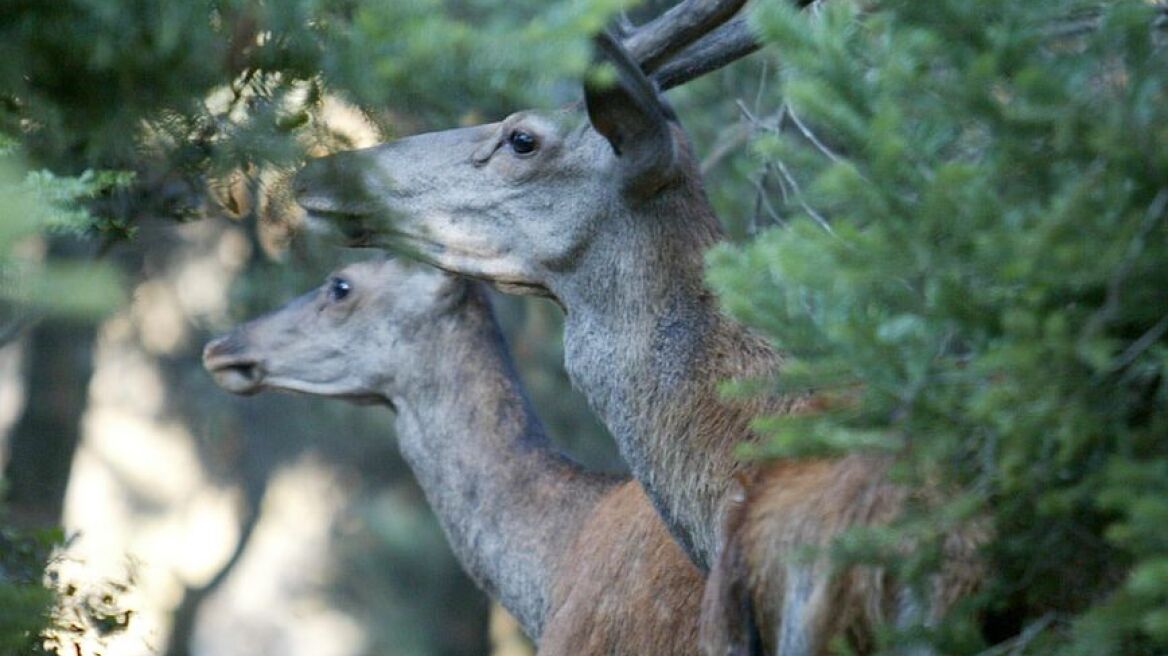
505	273
330	389
367	399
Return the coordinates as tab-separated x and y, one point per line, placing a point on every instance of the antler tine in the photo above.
655	42
724	45
730	41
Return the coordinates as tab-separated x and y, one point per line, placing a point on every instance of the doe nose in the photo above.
223	346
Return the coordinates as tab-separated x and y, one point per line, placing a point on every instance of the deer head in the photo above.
604	211
522	202
319	342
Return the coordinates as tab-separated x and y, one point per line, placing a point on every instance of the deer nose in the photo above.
222	347
316	174
336	184
227	359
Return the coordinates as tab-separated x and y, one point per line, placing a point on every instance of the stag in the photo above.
605	212
580	559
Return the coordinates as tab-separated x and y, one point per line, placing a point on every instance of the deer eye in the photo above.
522	142
339	288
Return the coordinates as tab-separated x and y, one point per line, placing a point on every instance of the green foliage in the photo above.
988	301
25	602
33	207
191	93
41	615
377	54
84	76
197	88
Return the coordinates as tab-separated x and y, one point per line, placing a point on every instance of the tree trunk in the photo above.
59	365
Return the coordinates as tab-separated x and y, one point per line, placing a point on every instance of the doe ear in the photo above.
634	118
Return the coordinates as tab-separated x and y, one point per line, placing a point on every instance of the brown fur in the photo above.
624	586
644	339
580	559
792	504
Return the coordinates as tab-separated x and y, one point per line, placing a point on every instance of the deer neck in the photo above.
507	502
647	344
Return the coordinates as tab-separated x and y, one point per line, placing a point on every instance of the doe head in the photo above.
350	338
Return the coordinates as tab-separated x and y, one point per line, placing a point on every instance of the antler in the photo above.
712	39
706	33
654	43
724	45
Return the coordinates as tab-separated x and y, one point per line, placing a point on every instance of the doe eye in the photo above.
522	142
339	289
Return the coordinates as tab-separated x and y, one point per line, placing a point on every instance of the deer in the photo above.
603	210
579	558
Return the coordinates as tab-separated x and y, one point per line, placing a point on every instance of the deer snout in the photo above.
335	194
338	184
234	369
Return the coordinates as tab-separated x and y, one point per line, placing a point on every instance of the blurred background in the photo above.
144	147
965	233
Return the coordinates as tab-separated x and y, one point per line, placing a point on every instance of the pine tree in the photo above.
973	274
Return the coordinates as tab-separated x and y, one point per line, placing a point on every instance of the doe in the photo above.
580	559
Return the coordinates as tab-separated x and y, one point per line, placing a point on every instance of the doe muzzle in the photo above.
234	369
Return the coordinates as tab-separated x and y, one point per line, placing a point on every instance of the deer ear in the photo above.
634	118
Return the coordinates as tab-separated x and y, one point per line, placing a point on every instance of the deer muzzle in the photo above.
234	370
333	191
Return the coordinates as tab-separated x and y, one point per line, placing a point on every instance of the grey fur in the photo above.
627	270
508	503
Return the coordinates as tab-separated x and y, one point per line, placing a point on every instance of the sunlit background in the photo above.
297	512
274	524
